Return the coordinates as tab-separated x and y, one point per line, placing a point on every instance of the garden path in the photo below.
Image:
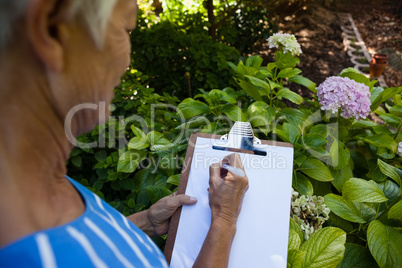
318	30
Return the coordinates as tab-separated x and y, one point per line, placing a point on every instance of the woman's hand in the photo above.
155	221
226	190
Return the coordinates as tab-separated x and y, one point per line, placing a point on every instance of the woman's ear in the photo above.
47	31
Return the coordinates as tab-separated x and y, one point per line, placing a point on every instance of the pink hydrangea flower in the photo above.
351	97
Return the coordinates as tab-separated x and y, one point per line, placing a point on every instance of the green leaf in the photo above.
249	89
340	222
382	140
375	172
143	178
194	123
131	203
233	66
397	110
390	119
288	72
298	79
325	248
190	108
390	171
138	143
385	244
127	184
137	132
98	185
271	66
357	256
101	156
215	96
260	114
260	83
211	128
295	227
113	176
390	92
156	192
376	98
129	161
294	116
341	176
363	124
174	179
254	61
77	161
286	60
289	95
320	129
302	184
313	141
395	212
316	169
292	132
246	70
343	208
153	137
367	210
234	113
339	155
385	153
358	77
359	190
295	258
294	240
75	151
390	190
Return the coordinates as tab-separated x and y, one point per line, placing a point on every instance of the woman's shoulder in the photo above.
100	237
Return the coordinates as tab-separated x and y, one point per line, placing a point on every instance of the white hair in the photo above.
95	14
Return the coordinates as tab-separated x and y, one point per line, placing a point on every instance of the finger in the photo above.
182	199
233	160
215	174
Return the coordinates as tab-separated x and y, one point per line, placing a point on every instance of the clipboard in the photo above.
262	233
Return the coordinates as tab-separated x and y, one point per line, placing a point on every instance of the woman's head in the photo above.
95	13
73	52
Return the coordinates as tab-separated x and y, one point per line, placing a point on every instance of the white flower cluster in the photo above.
310	212
400	148
285	42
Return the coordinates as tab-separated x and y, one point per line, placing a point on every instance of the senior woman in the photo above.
56	54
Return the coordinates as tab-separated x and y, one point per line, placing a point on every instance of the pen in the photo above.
236	171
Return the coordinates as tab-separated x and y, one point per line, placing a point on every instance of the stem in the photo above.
271	98
275	80
398	129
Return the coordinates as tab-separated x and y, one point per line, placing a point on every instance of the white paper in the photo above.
262	229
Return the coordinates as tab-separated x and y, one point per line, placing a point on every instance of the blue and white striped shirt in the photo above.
101	237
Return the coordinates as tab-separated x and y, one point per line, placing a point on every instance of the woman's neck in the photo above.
34	194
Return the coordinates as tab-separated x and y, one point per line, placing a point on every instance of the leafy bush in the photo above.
248	26
180	61
352	163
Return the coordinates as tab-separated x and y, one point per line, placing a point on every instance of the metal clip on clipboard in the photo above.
240	139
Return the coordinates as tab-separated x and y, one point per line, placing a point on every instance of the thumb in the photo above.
183	199
215	176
